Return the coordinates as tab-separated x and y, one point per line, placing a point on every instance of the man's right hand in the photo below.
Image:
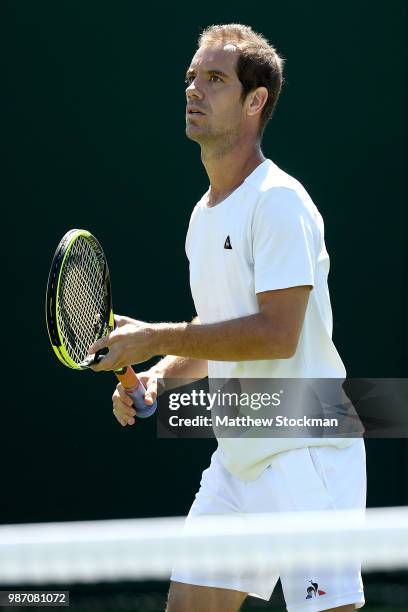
122	403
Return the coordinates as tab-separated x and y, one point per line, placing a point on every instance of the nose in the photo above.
193	92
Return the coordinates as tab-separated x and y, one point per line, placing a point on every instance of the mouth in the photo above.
194	112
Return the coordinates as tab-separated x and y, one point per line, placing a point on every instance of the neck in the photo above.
228	169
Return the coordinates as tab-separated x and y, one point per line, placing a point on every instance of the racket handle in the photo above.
135	390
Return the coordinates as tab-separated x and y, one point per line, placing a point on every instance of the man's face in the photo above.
214	112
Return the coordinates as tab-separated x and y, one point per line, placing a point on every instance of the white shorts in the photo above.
312	478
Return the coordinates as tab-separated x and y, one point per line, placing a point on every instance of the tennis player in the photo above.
258	274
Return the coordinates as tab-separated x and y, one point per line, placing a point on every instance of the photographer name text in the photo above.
248	421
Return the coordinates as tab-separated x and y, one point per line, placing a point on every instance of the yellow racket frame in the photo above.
59	349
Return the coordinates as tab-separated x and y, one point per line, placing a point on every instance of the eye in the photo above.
189	79
214	78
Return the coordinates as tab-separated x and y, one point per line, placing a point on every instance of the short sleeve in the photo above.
284	241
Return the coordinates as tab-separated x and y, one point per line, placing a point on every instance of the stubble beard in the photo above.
215	142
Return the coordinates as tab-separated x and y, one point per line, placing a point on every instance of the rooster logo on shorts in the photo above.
314	591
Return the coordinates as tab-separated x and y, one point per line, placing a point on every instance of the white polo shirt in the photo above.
266	235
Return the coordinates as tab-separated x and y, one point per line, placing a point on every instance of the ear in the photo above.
256	101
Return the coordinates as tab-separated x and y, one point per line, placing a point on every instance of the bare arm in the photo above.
272	333
173	366
181	367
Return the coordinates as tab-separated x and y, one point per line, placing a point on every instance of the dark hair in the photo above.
258	65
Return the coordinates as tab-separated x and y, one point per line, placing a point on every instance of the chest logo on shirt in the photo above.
227	243
314	591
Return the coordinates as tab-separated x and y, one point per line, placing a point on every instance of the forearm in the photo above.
272	333
173	366
246	338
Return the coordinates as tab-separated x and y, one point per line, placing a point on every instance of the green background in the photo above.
93	101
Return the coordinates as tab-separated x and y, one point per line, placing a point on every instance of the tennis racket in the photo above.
79	309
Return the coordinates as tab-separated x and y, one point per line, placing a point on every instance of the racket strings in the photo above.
82	309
